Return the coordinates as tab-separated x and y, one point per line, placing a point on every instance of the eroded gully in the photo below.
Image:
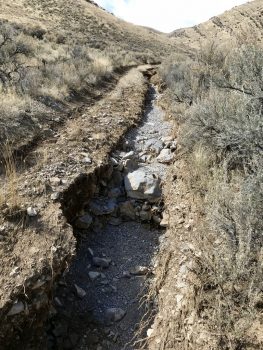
98	301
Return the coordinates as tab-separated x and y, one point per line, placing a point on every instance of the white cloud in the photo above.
168	15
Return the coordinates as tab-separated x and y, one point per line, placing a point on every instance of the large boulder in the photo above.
140	185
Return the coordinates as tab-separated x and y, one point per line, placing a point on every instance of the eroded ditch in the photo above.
98	301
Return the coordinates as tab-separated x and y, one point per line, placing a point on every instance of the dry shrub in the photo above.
230	242
229	124
221	137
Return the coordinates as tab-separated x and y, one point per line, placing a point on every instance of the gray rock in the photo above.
127	210
130	165
16	309
145	215
139	270
140	185
115	192
84	222
102	206
101	262
117	179
114	314
80	291
115	221
157	147
166	156
93	275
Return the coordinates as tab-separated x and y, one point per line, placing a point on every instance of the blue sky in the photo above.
168	15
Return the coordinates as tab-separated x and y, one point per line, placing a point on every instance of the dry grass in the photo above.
54	53
9	192
221	137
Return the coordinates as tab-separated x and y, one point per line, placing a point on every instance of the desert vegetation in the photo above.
217	103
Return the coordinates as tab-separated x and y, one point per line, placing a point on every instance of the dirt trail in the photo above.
36	242
99	299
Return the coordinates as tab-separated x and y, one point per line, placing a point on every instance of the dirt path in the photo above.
98	301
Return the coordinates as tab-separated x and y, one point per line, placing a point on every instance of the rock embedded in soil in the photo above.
166	156
16	309
140	185
127	210
80	292
101	262
93	275
139	270
102	206
84	222
31	211
114	315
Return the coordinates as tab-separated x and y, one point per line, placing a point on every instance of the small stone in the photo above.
165	157
114	314
165	220
55	196
115	221
101	262
87	160
84	222
139	270
126	274
115	192
173	146
156	219
16	309
130	165
14	272
80	292
93	275
31	211
145	215
127	210
149	332
91	251
128	155
114	161
55	181
58	302
103	206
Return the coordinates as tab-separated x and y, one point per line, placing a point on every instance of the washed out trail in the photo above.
99	299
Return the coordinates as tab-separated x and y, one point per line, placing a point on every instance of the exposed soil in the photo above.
36	242
128	249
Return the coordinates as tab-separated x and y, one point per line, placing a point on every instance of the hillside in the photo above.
242	23
131	180
55	53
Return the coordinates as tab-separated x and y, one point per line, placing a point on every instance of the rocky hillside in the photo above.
243	22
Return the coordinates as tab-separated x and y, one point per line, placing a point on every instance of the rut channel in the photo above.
99	299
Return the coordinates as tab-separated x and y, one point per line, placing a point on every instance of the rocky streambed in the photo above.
99	302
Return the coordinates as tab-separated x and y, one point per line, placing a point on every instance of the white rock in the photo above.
166	156
149	332
140	185
31	211
128	155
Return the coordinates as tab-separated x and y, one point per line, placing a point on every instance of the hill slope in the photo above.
243	22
